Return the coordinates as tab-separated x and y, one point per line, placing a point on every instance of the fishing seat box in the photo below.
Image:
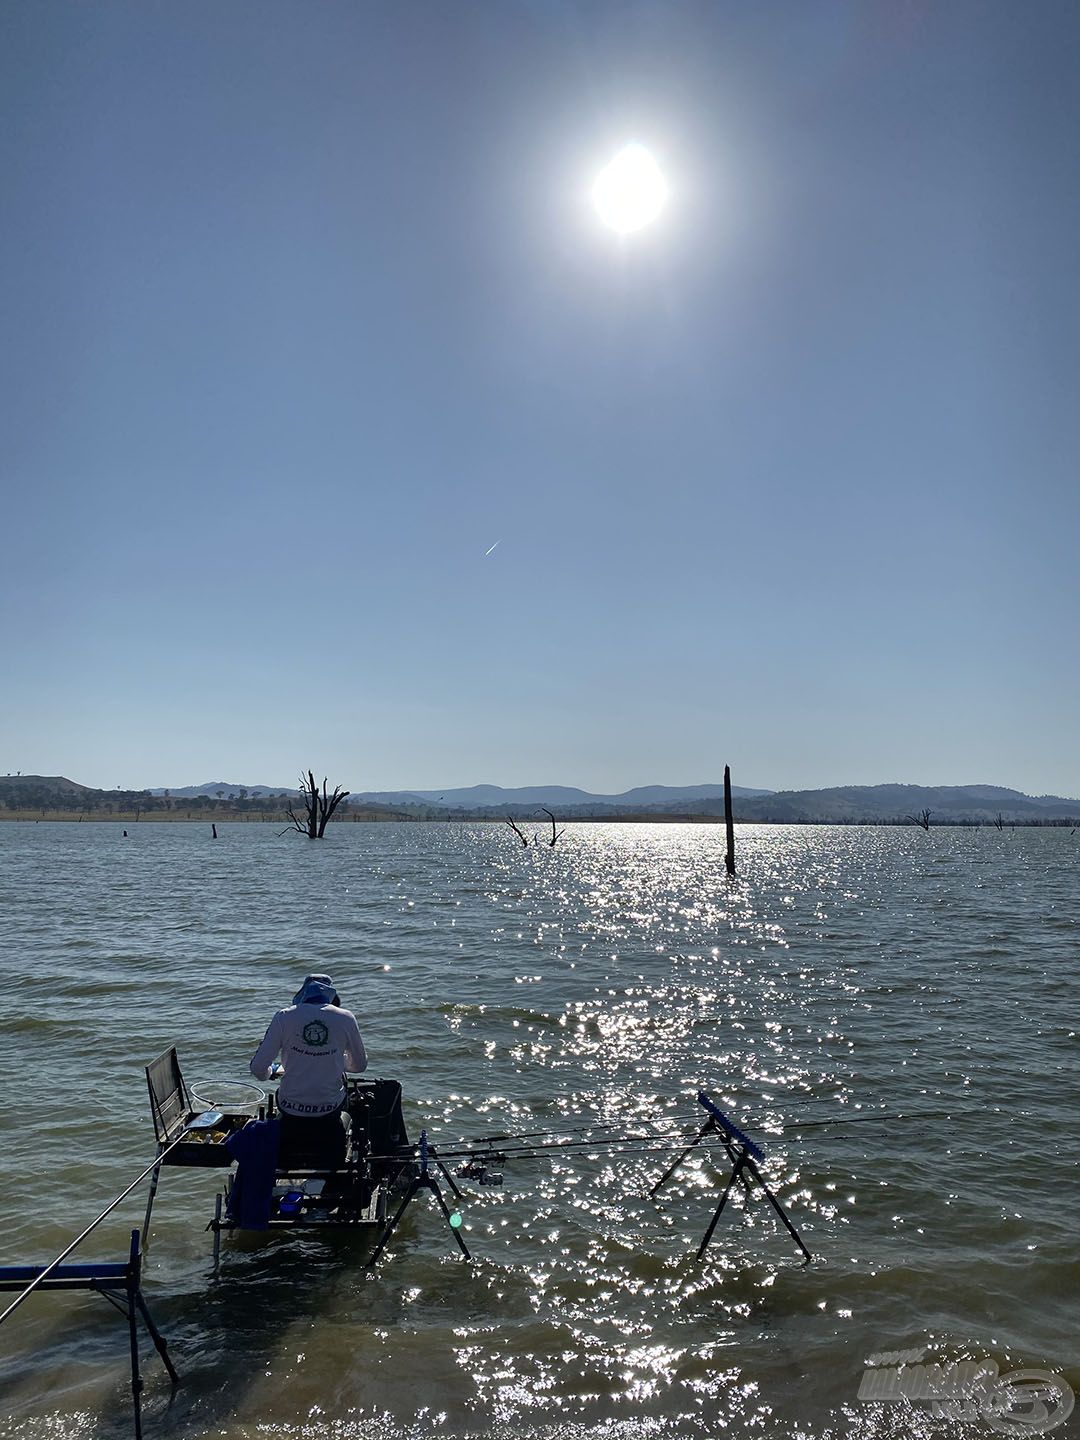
171	1107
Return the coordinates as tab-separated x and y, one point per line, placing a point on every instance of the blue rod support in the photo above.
730	1128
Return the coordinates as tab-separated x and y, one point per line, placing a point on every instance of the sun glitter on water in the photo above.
630	191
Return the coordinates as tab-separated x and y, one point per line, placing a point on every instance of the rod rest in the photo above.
730	1127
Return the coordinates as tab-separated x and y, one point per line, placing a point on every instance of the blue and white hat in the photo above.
316	990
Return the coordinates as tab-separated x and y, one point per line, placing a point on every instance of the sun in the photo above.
630	191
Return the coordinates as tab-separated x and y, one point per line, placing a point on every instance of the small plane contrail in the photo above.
488	552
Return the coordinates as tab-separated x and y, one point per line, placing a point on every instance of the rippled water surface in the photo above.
892	1013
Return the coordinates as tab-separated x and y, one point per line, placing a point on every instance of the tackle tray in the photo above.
171	1107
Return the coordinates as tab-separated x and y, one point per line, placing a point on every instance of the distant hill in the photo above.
487	797
888	804
228	787
50	785
57	792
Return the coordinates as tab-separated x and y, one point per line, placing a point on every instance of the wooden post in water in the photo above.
729	858
213	829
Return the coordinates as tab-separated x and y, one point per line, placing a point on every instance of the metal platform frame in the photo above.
121	1285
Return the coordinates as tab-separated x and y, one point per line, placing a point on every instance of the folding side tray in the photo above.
170	1101
170	1104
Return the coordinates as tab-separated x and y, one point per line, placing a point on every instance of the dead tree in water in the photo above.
999	823
554	835
318	807
517	830
729	824
923	820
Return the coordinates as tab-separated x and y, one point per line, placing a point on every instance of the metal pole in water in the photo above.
133	1332
217	1231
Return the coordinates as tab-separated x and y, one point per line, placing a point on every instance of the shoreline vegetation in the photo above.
227	816
34	798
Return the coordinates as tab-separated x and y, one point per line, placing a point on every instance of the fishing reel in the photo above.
477	1168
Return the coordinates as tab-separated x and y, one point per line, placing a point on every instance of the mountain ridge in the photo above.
486	796
891	803
885	804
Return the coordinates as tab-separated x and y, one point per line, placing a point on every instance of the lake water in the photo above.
847	976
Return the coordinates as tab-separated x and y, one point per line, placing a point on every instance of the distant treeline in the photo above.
41	801
132	805
949	822
15	796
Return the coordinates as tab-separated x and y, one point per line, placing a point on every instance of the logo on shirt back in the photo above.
315	1033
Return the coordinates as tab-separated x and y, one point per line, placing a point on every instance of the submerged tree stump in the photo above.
729	823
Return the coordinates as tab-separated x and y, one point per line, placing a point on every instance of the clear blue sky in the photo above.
304	306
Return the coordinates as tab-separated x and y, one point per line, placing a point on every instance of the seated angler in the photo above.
318	1042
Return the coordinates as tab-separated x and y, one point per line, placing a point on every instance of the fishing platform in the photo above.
289	1172
343	1174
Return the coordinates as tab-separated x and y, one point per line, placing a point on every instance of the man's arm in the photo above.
267	1052
355	1054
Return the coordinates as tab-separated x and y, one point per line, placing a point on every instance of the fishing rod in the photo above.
528	1152
624	1144
48	1270
759	1102
562	1142
763	1103
863	1119
655	1143
555	1139
545	1134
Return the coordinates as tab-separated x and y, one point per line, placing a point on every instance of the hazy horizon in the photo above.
341	432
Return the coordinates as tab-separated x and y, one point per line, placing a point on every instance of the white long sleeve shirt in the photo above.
317	1044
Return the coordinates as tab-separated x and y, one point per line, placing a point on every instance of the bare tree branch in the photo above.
327	805
523	838
298	824
554	835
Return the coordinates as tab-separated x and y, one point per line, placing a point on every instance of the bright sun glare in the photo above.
630	191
